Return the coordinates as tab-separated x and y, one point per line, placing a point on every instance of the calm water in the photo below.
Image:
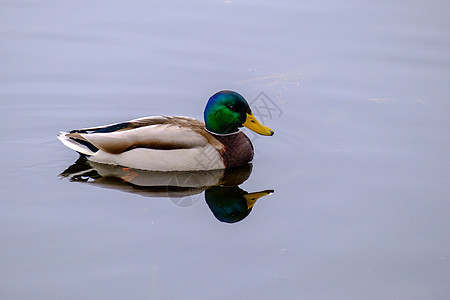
356	91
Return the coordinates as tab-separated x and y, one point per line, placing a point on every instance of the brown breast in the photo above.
237	149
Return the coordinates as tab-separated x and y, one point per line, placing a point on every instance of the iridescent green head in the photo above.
226	111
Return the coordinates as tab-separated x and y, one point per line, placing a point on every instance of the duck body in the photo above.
163	143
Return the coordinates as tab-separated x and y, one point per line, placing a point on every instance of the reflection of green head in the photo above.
225	112
231	204
227	203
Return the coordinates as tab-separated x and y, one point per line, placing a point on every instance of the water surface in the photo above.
356	91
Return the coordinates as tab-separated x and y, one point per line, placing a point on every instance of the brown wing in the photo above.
162	133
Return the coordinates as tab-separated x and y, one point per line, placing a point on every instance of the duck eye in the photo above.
231	107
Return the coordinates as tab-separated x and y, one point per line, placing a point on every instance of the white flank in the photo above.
195	159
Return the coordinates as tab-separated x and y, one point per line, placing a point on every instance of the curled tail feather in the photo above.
79	145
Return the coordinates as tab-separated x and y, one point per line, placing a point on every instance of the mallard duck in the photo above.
174	143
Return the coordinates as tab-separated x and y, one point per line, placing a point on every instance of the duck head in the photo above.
227	111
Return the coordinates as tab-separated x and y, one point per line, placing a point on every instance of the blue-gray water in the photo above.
359	92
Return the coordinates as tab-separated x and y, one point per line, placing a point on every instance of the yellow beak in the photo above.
252	197
253	124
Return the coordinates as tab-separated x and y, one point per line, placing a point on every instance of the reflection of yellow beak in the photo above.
253	124
252	197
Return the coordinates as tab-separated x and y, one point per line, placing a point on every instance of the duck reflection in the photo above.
227	201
